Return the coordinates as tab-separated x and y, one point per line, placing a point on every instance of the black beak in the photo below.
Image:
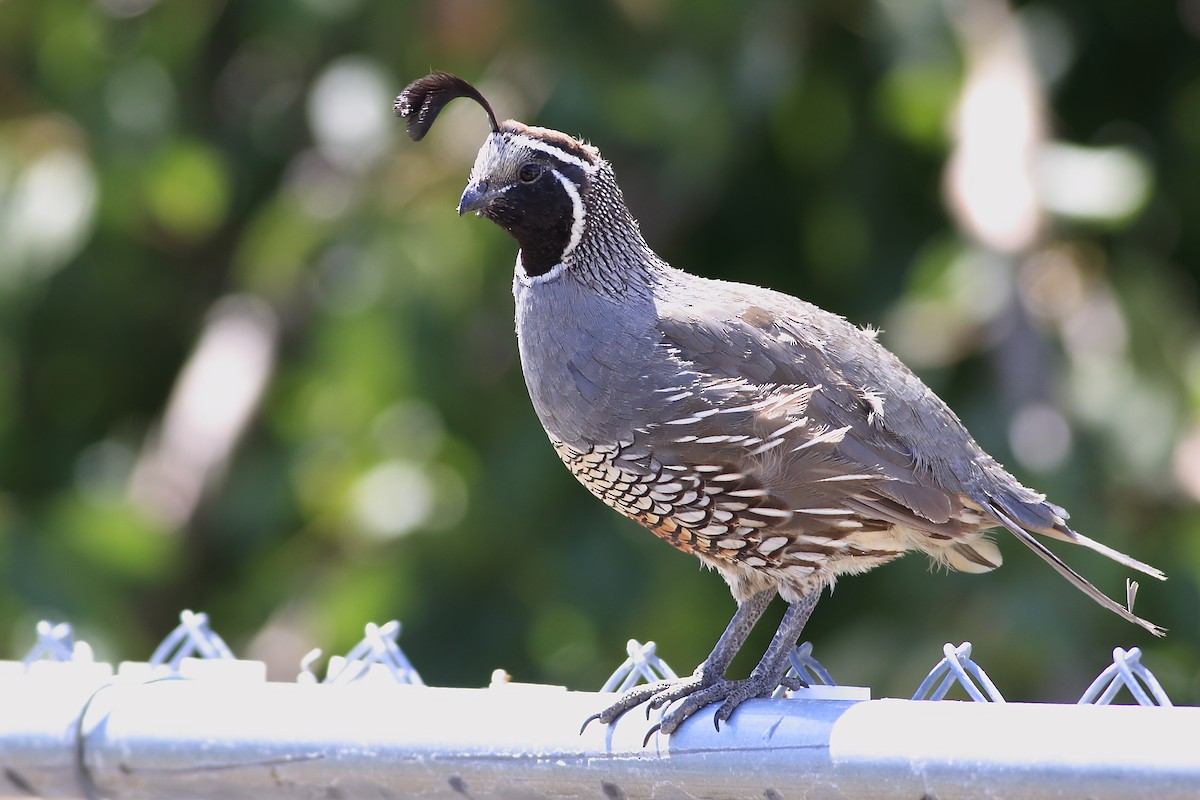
474	198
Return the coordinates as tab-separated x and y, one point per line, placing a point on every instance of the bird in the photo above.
777	442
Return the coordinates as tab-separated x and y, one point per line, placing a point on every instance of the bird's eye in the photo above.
529	172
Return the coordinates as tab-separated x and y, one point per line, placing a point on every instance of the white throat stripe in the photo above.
578	212
525	279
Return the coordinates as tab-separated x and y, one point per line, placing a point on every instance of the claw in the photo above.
589	721
653	730
725	711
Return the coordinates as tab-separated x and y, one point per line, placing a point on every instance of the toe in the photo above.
792	682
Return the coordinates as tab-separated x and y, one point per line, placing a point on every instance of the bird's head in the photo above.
533	182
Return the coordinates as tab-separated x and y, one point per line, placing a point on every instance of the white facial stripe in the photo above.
577	211
549	149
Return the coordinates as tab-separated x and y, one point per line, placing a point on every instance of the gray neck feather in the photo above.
612	256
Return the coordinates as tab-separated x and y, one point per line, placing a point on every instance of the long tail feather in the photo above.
1077	580
1063	533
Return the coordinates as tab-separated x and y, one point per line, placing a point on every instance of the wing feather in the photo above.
930	473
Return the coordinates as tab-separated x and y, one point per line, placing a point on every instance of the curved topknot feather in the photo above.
423	99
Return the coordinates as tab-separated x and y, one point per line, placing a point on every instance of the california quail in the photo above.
775	441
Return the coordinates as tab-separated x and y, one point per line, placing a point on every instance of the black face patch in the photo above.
539	215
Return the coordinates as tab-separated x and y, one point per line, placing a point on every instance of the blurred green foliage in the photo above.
159	158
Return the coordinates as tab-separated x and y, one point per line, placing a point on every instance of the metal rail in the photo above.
203	738
212	727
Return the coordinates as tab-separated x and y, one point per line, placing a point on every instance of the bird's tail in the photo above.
1062	532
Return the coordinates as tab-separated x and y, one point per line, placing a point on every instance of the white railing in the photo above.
201	728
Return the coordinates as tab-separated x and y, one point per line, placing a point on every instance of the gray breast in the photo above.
588	358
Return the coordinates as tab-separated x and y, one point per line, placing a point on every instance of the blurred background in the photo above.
252	363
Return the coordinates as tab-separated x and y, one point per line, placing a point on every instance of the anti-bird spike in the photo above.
423	99
776	442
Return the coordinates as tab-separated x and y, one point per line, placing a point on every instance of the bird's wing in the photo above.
938	479
774	354
816	440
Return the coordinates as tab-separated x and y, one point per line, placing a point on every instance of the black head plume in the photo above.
423	99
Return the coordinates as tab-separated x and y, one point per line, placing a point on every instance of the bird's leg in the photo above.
762	680
711	670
